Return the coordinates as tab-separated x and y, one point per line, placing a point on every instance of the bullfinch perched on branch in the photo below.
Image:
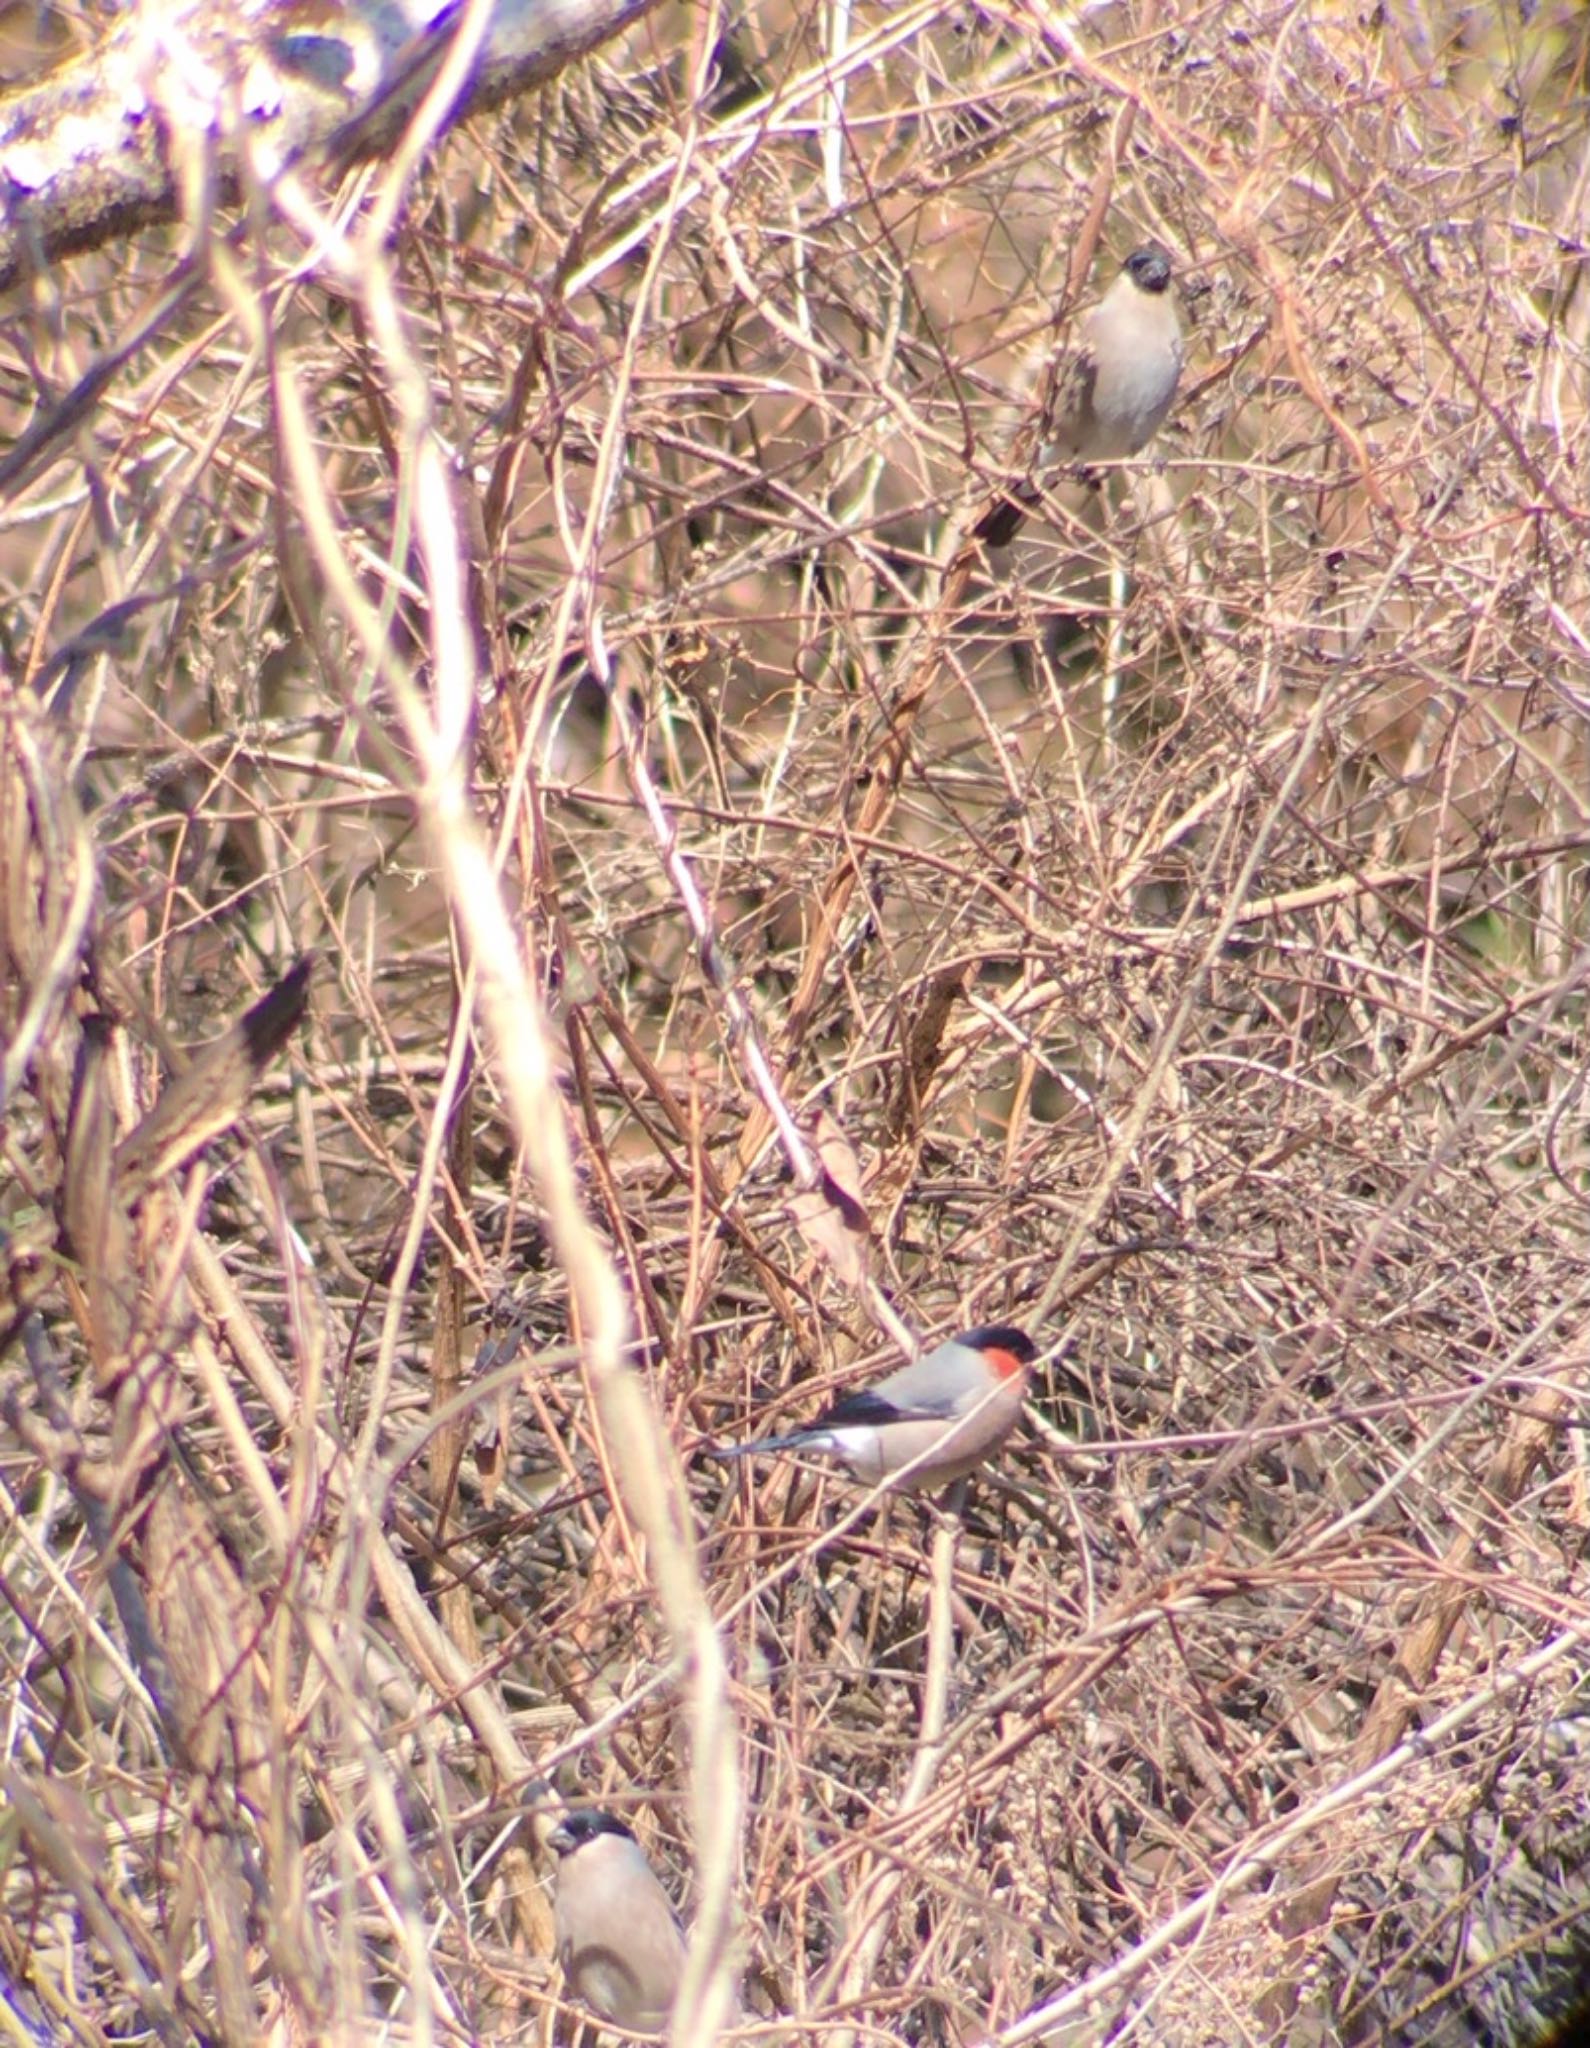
933	1421
1107	396
618	1937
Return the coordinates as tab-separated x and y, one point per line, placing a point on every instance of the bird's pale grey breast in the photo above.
1127	369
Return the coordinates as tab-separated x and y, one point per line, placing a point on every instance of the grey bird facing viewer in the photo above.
618	1937
941	1416
1109	398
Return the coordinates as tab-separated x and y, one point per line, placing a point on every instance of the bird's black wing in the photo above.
875	1409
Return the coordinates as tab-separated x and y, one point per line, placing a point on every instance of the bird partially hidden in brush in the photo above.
618	1937
927	1424
1107	396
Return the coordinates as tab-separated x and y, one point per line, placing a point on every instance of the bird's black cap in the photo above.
583	1825
1149	267
1001	1337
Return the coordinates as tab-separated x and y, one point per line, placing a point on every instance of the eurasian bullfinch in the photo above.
941	1417
1108	396
618	1937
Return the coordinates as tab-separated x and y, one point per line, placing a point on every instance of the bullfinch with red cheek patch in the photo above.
931	1422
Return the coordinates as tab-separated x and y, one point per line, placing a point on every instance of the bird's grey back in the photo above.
937	1384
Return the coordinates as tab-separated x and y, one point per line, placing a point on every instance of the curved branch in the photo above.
97	149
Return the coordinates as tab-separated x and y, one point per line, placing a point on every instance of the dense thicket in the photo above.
1168	934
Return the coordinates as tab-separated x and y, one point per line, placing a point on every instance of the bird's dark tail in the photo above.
761	1443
